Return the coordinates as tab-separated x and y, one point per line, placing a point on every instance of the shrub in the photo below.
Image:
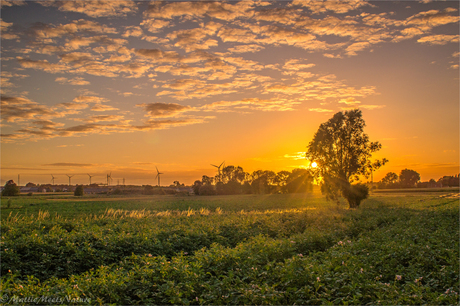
79	192
354	194
207	189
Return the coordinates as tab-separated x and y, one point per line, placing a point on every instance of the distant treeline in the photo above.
234	180
410	179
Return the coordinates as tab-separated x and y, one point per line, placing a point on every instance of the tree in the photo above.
409	178
79	192
390	180
342	152
10	189
196	187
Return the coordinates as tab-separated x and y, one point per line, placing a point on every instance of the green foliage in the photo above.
10	189
395	250
79	191
355	194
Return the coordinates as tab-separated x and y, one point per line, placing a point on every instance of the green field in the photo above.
284	249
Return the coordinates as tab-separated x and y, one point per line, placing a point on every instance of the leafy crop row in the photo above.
382	254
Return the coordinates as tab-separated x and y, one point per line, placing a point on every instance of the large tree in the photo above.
10	189
409	178
343	152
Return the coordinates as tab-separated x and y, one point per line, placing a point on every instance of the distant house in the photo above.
29	189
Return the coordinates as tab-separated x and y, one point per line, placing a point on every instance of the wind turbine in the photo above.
218	168
70	176
52	179
90	176
109	178
158	176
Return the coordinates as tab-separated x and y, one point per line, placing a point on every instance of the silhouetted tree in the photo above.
281	179
79	192
449	181
206	180
196	187
342	152
263	181
207	189
409	178
390	180
10	189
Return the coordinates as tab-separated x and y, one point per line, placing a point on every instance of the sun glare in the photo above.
314	164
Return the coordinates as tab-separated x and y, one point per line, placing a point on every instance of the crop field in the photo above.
283	249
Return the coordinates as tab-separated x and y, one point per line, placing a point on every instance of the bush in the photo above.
79	192
207	189
354	194
11	189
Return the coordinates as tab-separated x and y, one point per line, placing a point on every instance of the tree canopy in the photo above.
343	152
409	178
10	189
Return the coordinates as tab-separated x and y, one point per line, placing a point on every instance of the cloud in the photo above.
102	118
349	101
42	65
251	48
154	25
168	123
133	31
12	2
89	99
320	110
251	104
340	7
45	31
363	106
193	39
72	105
440	39
15	109
433	18
75	81
199	9
96	8
163	110
296	156
103	108
159	56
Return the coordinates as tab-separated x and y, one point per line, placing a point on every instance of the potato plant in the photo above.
393	250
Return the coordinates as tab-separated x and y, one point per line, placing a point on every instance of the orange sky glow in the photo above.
123	87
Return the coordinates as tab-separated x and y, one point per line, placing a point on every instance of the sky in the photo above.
126	87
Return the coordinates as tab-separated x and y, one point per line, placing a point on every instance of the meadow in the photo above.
397	248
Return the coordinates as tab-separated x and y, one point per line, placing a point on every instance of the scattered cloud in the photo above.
440	39
295	156
74	81
163	110
21	109
320	110
95	8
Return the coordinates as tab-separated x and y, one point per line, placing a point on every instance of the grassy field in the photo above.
397	248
